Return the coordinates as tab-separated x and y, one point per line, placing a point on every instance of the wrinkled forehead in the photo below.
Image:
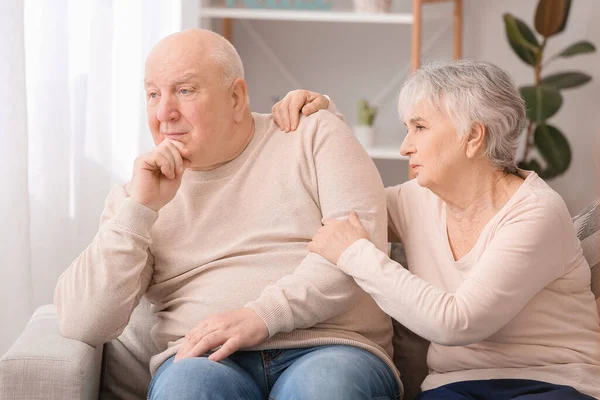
173	61
174	78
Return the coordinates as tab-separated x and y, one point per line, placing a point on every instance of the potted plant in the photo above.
365	131
544	98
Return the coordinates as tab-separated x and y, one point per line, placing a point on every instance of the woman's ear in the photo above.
239	96
476	139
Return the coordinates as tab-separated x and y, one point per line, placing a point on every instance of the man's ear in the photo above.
239	97
476	139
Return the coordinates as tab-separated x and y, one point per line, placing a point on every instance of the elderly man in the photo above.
213	228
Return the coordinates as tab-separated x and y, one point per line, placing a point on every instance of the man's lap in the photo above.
198	378
319	372
337	372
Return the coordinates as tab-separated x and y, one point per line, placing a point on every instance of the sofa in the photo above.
42	364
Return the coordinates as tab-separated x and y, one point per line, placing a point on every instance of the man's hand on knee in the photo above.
232	330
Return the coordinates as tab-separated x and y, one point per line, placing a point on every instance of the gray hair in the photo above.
470	91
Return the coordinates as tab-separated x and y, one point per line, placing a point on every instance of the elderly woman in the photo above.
497	280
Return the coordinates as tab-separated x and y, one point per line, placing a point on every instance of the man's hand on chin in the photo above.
232	330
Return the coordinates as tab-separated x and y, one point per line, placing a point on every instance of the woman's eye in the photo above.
152	95
419	127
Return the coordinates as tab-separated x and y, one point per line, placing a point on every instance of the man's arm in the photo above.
95	296
286	116
347	181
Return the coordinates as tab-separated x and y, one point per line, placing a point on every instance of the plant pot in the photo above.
373	6
365	135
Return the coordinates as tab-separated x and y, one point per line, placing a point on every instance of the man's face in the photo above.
186	101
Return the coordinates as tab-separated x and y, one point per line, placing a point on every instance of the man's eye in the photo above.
184	91
152	95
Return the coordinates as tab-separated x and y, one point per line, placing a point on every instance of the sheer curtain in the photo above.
72	120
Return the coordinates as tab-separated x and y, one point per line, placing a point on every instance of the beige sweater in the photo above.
237	237
518	305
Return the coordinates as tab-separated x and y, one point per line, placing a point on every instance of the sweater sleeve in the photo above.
525	255
332	108
347	180
97	293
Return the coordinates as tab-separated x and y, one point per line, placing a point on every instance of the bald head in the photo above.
208	50
196	94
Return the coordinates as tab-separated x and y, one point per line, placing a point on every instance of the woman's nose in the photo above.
407	148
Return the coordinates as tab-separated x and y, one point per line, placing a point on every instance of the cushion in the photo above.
410	349
587	225
125	371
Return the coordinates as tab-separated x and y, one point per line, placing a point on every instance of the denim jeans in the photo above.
324	372
503	389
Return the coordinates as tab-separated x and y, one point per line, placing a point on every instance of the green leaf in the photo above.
535	166
531	165
521	39
566	80
542	102
550	16
548	173
578	48
523	164
554	147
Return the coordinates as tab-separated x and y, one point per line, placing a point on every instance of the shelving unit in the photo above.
206	13
319	16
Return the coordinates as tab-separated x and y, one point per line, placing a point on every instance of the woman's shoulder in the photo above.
537	197
538	208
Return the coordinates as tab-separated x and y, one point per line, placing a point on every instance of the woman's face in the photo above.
435	150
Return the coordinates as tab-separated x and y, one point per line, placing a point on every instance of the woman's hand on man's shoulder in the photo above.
286	112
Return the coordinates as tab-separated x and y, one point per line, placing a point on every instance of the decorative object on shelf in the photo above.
373	6
544	99
282	4
365	131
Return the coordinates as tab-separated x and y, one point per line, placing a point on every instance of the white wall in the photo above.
579	117
350	61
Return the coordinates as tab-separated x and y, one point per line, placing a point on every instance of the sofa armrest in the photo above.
42	364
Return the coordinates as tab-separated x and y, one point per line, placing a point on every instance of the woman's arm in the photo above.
525	255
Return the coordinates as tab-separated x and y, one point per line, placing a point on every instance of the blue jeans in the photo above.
324	372
503	389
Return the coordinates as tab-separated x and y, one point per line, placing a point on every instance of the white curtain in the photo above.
72	121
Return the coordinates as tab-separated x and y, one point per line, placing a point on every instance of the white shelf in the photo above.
386	153
301	15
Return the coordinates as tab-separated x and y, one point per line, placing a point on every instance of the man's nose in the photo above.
167	110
